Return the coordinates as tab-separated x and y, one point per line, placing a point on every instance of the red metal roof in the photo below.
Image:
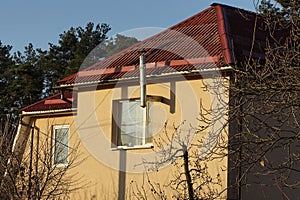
51	103
200	36
218	36
212	33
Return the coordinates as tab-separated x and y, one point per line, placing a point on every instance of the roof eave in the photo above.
47	112
112	81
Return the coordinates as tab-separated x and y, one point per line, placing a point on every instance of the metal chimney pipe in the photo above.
143	78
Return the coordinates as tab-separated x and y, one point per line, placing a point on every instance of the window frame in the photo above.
116	130
54	128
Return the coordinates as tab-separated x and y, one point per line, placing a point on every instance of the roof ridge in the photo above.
224	32
232	7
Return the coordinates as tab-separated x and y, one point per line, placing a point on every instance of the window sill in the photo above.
145	146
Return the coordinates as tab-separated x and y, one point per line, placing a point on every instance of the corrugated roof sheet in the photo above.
195	37
218	36
51	103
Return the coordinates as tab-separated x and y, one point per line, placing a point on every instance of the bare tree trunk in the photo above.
187	174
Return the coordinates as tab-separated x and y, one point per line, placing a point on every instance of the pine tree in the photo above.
27	84
73	46
6	64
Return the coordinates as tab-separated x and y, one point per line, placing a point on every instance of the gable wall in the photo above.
107	173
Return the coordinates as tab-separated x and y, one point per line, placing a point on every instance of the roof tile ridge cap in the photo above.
223	33
40	101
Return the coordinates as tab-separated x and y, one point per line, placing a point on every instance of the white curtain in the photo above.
132	123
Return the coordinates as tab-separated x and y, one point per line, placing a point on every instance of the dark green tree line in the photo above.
28	76
73	46
6	63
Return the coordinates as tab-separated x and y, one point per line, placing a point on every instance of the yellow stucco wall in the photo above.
99	164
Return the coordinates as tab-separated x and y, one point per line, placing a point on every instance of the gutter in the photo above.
45	112
112	81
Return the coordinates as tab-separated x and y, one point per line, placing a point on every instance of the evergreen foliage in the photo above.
26	77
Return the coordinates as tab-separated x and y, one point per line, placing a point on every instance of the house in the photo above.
111	123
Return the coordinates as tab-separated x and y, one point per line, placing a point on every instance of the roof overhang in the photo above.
49	112
195	72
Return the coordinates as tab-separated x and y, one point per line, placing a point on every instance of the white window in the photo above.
60	144
132	124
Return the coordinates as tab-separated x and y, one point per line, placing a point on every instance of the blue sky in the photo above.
40	21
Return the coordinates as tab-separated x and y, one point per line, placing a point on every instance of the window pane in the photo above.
61	136
131	123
